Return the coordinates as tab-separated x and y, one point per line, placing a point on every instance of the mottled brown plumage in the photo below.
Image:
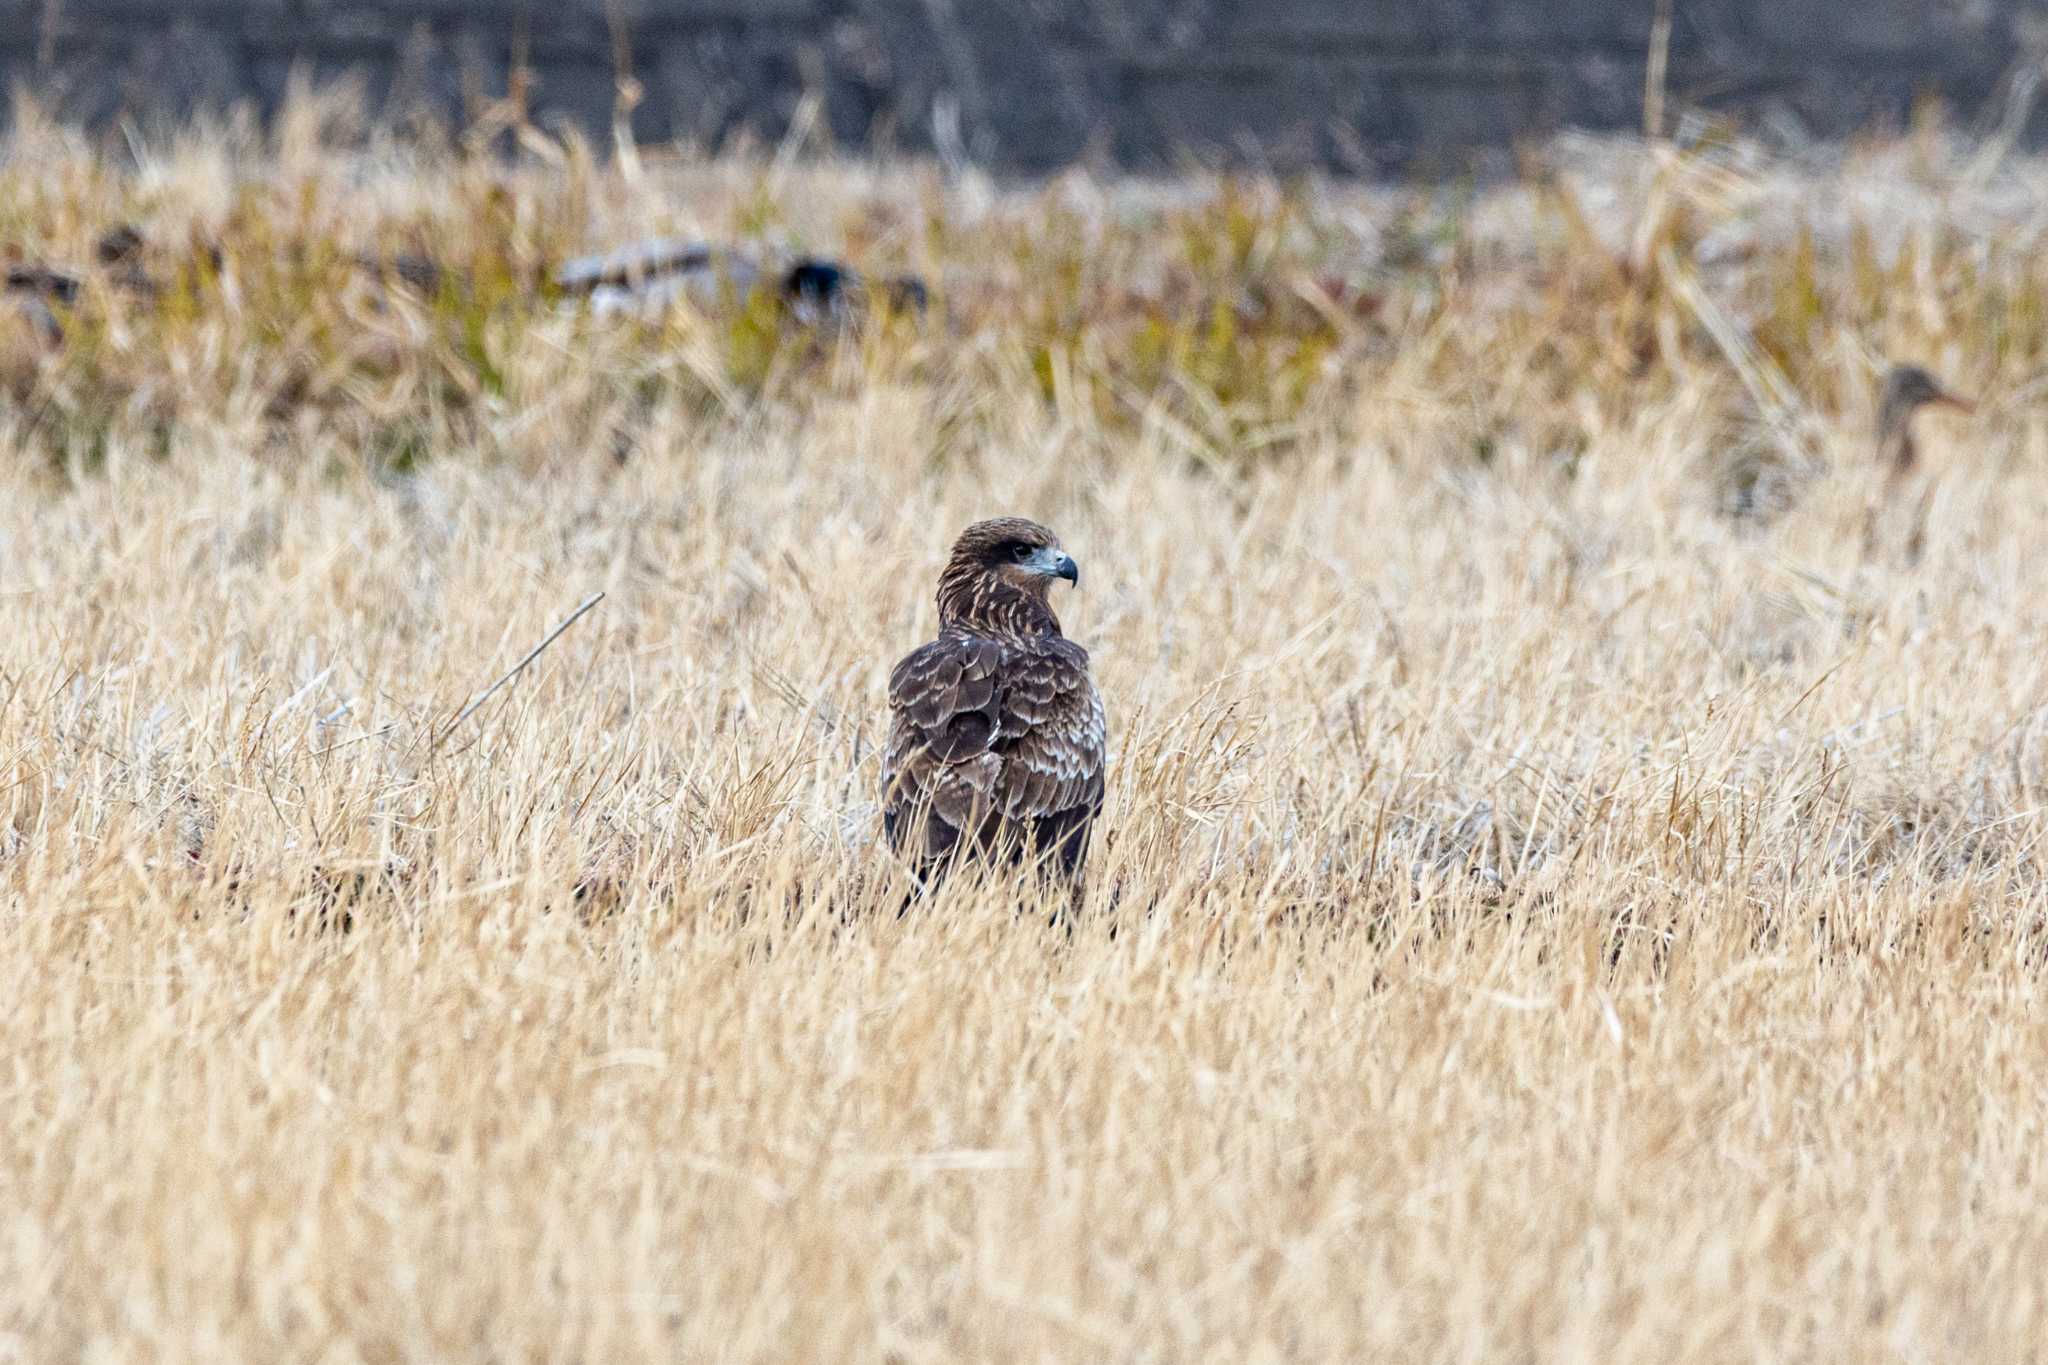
996	731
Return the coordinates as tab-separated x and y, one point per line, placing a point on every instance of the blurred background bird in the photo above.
1906	390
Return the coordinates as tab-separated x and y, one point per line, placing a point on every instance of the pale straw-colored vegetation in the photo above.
1568	889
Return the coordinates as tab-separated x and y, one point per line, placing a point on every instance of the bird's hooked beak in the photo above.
1055	564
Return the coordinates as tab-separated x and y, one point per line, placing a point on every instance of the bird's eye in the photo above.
1020	552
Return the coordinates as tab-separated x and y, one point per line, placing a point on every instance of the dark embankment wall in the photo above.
1033	84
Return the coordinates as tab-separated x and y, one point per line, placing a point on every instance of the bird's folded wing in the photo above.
1053	736
942	697
943	709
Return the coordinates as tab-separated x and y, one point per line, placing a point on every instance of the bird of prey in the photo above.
996	732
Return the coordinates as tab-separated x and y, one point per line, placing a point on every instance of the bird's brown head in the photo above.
1907	389
1000	575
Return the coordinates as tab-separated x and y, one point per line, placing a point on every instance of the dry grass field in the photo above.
1568	890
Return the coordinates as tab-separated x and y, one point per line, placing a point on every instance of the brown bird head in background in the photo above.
1907	389
1000	575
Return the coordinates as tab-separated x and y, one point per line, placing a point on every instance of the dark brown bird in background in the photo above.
996	732
1907	389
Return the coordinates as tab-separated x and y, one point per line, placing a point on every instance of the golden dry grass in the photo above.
1562	898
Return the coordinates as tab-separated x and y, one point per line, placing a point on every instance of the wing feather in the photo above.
988	739
943	714
1053	742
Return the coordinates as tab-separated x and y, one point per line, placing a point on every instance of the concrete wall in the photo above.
1033	84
